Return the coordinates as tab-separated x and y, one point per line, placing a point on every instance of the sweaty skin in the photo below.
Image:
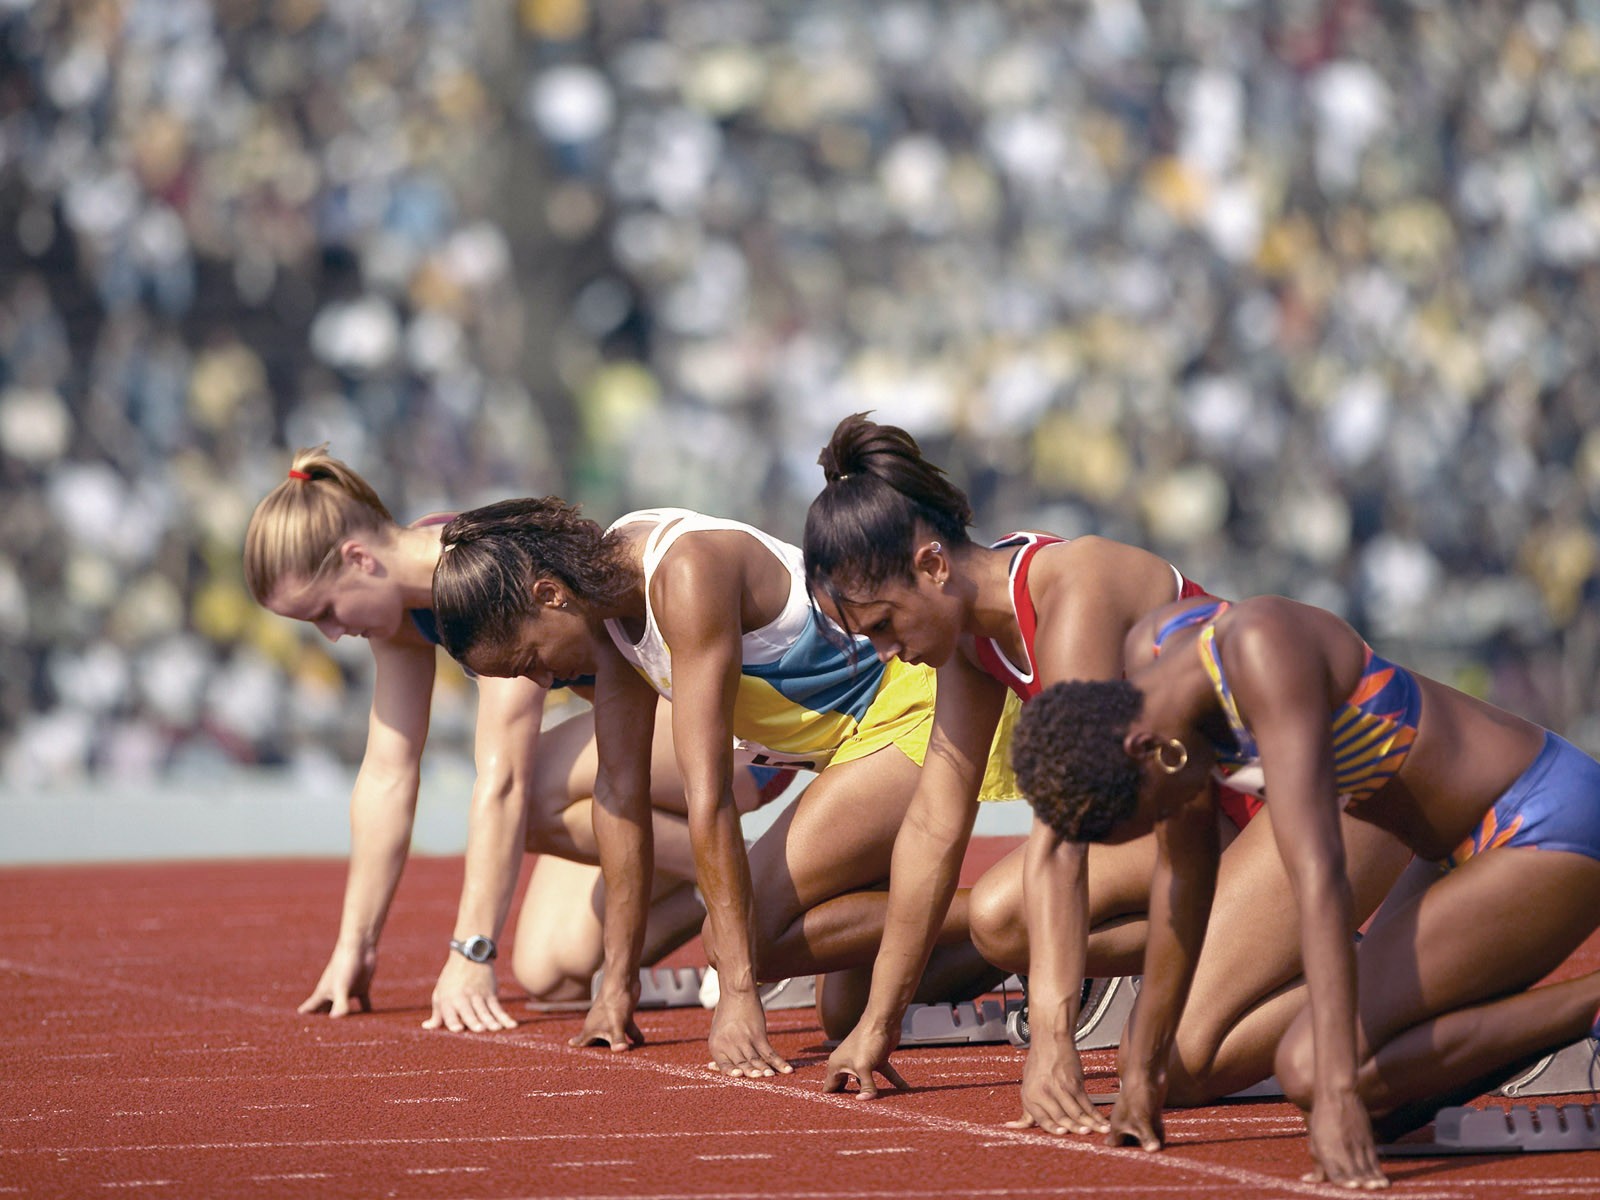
1442	955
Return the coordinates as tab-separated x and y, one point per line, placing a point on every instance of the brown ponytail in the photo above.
492	556
860	529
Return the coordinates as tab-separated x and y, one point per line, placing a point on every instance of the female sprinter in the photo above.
1504	818
887	551
715	615
321	547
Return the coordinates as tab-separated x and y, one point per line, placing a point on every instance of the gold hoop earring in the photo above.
1179	749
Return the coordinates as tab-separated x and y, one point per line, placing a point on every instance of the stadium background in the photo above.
1303	296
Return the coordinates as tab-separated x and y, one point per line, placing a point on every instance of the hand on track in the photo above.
1053	1095
1136	1118
861	1057
738	1038
1342	1146
467	997
610	1022
346	978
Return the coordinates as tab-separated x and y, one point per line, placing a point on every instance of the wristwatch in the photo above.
476	948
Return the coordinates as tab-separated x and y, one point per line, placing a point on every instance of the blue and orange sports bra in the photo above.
1373	730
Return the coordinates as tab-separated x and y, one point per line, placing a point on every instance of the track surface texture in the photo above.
150	1047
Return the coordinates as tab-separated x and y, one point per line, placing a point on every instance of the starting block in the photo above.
967	1023
1574	1068
1514	1130
1268	1089
1101	1016
662	987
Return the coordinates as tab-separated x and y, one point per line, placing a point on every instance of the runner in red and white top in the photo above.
991	655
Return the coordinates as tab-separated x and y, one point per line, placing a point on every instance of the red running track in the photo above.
150	1048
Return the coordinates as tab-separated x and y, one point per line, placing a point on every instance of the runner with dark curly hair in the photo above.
1433	1005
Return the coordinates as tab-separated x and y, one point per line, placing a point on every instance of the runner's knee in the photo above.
545	978
995	919
1295	1064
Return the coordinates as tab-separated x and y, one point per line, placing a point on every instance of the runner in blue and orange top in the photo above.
322	548
888	553
1433	1006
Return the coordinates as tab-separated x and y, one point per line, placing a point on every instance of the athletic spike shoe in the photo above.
1017	1032
710	988
1090	997
1091	1000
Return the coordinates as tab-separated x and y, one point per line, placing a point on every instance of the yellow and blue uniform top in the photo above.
804	686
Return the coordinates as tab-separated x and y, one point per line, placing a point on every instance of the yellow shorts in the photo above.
901	715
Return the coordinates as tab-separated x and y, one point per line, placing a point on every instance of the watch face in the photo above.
479	948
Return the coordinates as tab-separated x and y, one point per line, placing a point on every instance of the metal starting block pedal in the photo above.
662	987
1574	1068
967	1023
798	991
1514	1130
1268	1089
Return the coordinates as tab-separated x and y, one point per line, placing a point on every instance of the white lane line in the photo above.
426	1100
97	1035
1239	1176
559	1095
344	1045
1134	1191
138	1183
731	1157
1589	1185
292	1175
512	1139
271	1107
445	1170
597	1162
157	993
74	1057
882	1150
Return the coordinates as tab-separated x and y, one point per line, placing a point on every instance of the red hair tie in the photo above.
297	473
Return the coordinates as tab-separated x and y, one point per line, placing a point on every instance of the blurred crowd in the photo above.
1301	295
